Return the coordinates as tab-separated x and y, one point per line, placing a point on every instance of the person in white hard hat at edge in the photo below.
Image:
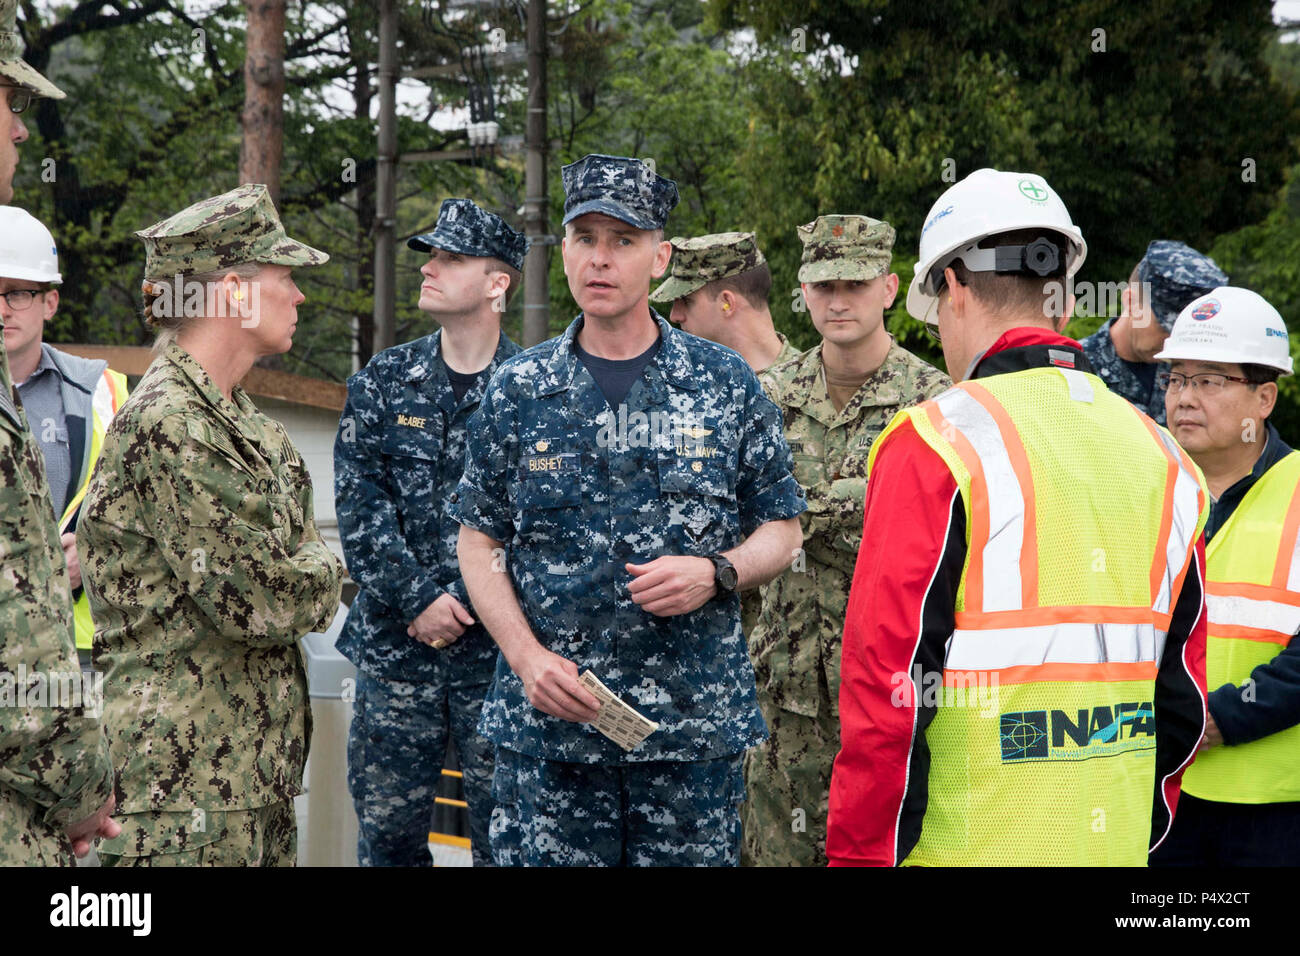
1241	800
69	400
1017	618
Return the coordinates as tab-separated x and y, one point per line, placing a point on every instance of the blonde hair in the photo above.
171	326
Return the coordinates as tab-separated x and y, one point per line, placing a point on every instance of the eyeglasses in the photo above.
1207	383
933	332
20	98
20	299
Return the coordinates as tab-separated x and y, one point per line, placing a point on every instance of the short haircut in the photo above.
515	276
1015	294
1259	374
752	285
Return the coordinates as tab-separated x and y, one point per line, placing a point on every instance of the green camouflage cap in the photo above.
702	259
12	67
845	247
223	232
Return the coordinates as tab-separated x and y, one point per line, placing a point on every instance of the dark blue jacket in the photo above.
399	453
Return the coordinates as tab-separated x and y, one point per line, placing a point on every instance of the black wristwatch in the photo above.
724	576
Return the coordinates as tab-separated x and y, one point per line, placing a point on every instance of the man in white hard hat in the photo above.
56	786
1241	801
69	400
1021	677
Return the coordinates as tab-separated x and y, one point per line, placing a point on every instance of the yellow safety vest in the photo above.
109	395
1253	604
1081	522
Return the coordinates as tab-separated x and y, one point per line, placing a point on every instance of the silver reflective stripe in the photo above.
1293	575
1182	529
1006	499
1068	643
1252	612
102	401
1080	387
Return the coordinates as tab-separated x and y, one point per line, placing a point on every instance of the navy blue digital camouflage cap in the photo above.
1177	274
617	186
465	228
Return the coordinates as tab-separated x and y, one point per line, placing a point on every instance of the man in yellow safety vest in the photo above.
1022	675
1241	804
69	400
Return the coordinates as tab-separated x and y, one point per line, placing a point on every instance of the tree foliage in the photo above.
1169	119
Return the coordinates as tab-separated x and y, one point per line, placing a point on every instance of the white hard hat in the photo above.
986	203
1230	325
27	249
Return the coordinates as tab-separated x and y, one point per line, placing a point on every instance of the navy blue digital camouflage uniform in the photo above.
693	461
573	506
398	455
1176	274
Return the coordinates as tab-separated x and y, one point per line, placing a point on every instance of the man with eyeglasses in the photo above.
69	400
1241	796
20	85
56	780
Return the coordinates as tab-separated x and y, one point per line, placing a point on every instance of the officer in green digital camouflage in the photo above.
56	781
835	399
204	563
718	287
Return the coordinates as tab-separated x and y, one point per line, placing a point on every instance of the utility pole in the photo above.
385	332
536	268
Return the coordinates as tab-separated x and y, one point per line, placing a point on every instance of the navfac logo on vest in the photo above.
1078	735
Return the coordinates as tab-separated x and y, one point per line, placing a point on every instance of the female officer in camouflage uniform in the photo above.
203	560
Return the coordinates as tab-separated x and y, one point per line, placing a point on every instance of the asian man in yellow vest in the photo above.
1241	797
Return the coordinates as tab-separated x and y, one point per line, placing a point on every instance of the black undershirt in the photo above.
615	376
461	382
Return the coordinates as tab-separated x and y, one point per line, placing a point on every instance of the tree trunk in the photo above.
263	116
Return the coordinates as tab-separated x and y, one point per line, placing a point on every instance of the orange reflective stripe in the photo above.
1079	613
1286	549
1053	673
978	532
1020	464
1256	592
1241	633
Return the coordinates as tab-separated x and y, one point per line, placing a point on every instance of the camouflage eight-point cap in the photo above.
704	259
12	67
617	186
465	228
845	247
1177	274
222	232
